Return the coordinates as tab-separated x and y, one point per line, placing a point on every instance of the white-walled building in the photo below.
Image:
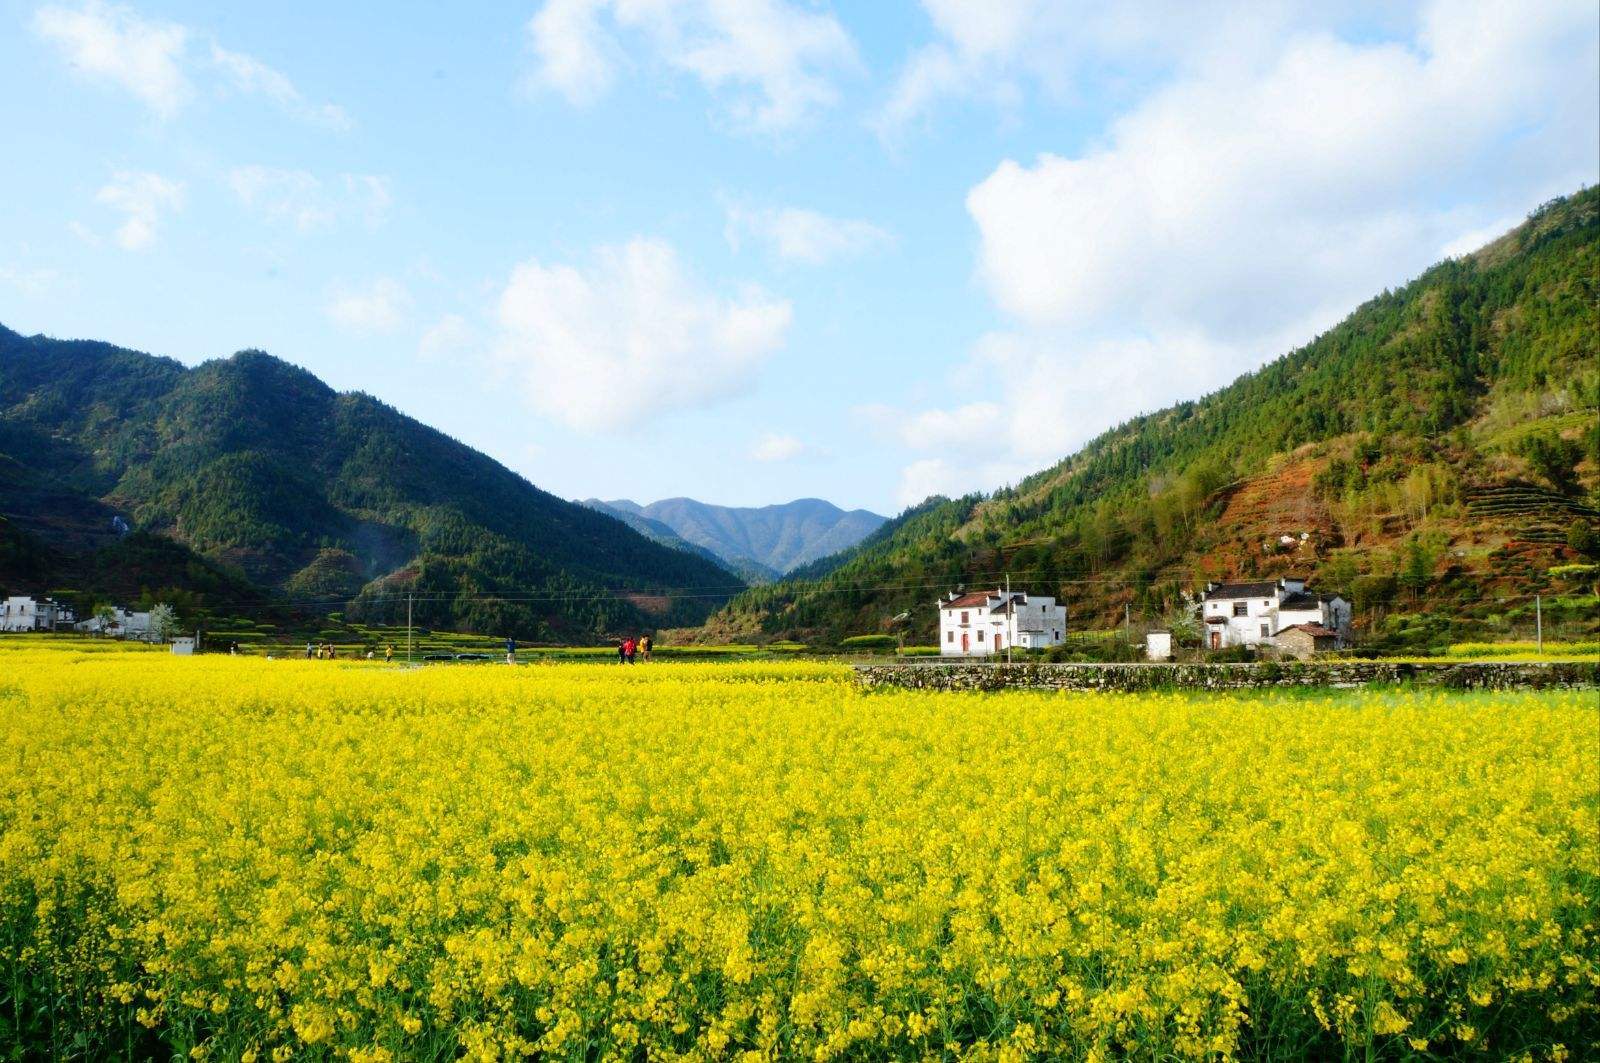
1252	614
22	613
123	624
989	622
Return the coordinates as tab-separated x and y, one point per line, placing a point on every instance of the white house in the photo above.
988	622
20	613
123	624
1252	614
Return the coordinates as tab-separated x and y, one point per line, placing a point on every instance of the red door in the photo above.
964	646
1216	640
997	642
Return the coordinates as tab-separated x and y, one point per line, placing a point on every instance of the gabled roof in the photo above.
985	599
1300	601
1257	589
1314	630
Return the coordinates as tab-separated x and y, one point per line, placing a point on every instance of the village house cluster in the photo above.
1282	616
24	613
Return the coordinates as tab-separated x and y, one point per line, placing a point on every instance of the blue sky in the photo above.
753	250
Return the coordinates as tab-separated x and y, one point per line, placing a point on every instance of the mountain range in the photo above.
246	480
758	543
1435	455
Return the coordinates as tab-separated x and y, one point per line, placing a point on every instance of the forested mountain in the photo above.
262	477
760	543
1436	449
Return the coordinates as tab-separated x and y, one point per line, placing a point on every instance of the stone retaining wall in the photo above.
1462	675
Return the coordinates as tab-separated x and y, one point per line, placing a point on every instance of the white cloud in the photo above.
254	78
112	43
775	446
1478	236
142	198
32	282
448	339
1241	202
380	306
951	477
631	336
1239	209
997	51
772	61
302	200
806	236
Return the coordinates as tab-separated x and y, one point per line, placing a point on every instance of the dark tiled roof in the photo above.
1299	601
983	598
1259	589
1315	630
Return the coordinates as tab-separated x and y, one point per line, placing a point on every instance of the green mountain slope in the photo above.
1363	459
329	500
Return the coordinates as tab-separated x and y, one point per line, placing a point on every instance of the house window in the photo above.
1241	608
963	616
949	636
1264	632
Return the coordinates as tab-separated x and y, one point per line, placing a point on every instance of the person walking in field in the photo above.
622	652
388	654
308	651
646	644
511	651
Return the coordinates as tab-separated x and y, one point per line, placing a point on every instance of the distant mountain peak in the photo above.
755	541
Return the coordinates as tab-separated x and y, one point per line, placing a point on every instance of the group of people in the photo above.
630	648
324	651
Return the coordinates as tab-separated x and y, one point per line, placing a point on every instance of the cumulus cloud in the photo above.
1238	209
775	446
630	336
377	307
304	202
804	236
142	199
114	44
772	62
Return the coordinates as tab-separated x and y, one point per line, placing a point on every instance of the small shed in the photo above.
1158	645
184	646
1306	640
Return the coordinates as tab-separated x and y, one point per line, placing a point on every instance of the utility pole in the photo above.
408	631
1538	621
1011	613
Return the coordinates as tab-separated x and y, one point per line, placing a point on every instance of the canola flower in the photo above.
228	858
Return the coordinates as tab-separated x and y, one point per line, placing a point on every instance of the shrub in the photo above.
870	642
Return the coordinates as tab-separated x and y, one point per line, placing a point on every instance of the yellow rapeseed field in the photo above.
251	859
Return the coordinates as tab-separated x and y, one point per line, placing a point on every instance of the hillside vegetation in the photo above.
1436	450
267	480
